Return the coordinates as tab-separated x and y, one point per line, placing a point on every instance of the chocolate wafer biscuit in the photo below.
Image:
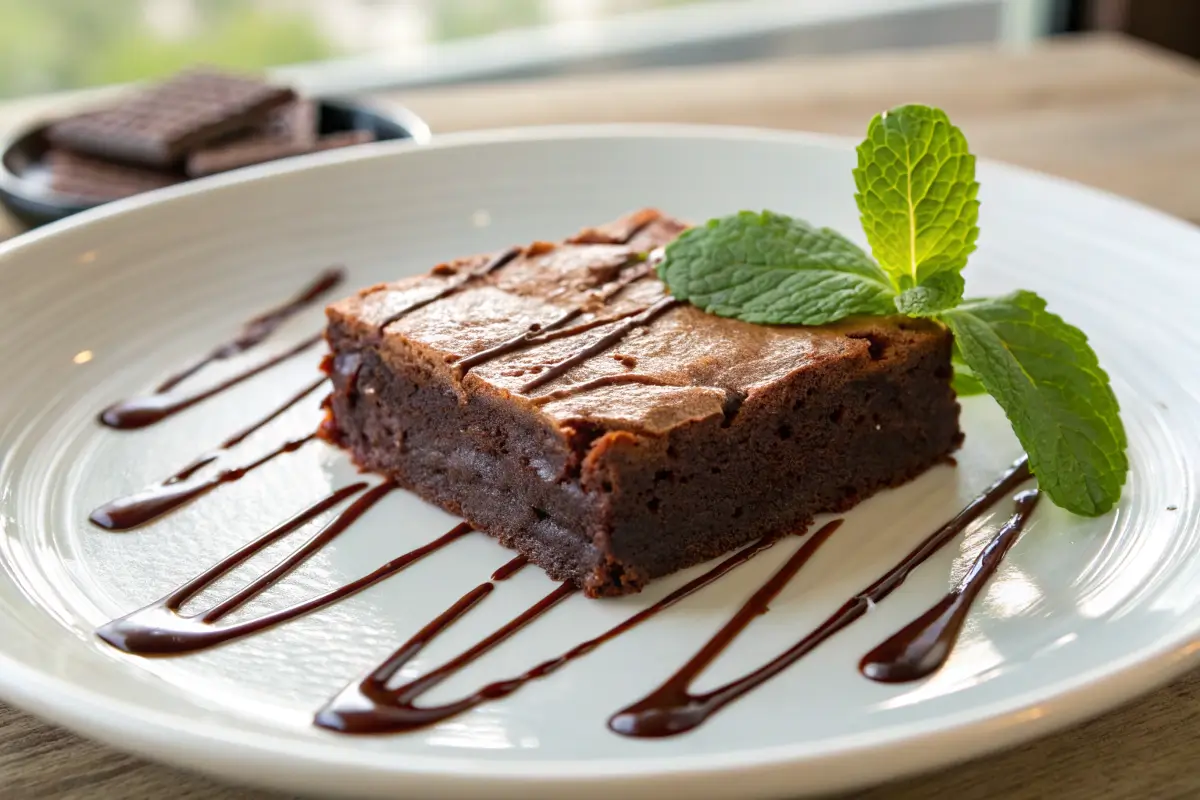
92	179
159	126
295	122
243	154
288	129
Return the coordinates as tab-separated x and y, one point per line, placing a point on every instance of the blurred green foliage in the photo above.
54	44
61	44
461	19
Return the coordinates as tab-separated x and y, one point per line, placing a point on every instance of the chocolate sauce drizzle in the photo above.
159	629
135	510
370	707
554	329
671	709
510	568
151	503
618	379
922	647
455	286
641	226
255	331
539	334
141	412
603	343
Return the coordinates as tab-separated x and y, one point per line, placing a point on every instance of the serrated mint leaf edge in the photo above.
851	285
907	275
973	334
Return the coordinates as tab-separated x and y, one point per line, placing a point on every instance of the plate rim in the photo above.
220	748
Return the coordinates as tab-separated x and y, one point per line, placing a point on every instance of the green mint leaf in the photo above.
770	268
964	382
938	293
1047	379
916	194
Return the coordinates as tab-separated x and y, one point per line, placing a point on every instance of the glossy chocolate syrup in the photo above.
540	334
603	343
455	286
510	568
922	647
141	412
370	707
358	710
159	629
672	709
147	505
151	503
583	387
258	329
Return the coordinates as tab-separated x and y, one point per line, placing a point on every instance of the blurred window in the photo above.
48	45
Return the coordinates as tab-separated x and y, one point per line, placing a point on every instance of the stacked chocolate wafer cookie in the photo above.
198	123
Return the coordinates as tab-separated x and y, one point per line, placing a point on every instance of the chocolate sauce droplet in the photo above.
922	647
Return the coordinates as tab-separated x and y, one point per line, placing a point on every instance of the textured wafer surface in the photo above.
94	179
260	150
158	126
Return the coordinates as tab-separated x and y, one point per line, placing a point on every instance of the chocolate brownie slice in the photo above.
557	398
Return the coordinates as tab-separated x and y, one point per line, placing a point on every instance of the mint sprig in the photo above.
964	382
770	268
916	193
1045	376
917	199
939	292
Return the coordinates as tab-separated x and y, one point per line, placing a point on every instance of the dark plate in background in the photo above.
25	185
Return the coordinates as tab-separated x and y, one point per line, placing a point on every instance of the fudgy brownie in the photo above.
557	398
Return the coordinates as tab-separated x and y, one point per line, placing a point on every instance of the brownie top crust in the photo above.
585	330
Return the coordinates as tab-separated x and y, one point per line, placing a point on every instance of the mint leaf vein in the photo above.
916	194
769	268
1046	377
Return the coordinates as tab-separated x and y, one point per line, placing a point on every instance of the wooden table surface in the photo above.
1104	111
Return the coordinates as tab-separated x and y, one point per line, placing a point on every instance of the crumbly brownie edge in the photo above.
481	459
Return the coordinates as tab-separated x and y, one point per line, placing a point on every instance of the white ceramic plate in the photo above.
1083	614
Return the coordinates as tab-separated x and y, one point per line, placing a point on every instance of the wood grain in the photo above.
1104	111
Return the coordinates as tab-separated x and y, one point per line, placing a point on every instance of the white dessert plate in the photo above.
1083	613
